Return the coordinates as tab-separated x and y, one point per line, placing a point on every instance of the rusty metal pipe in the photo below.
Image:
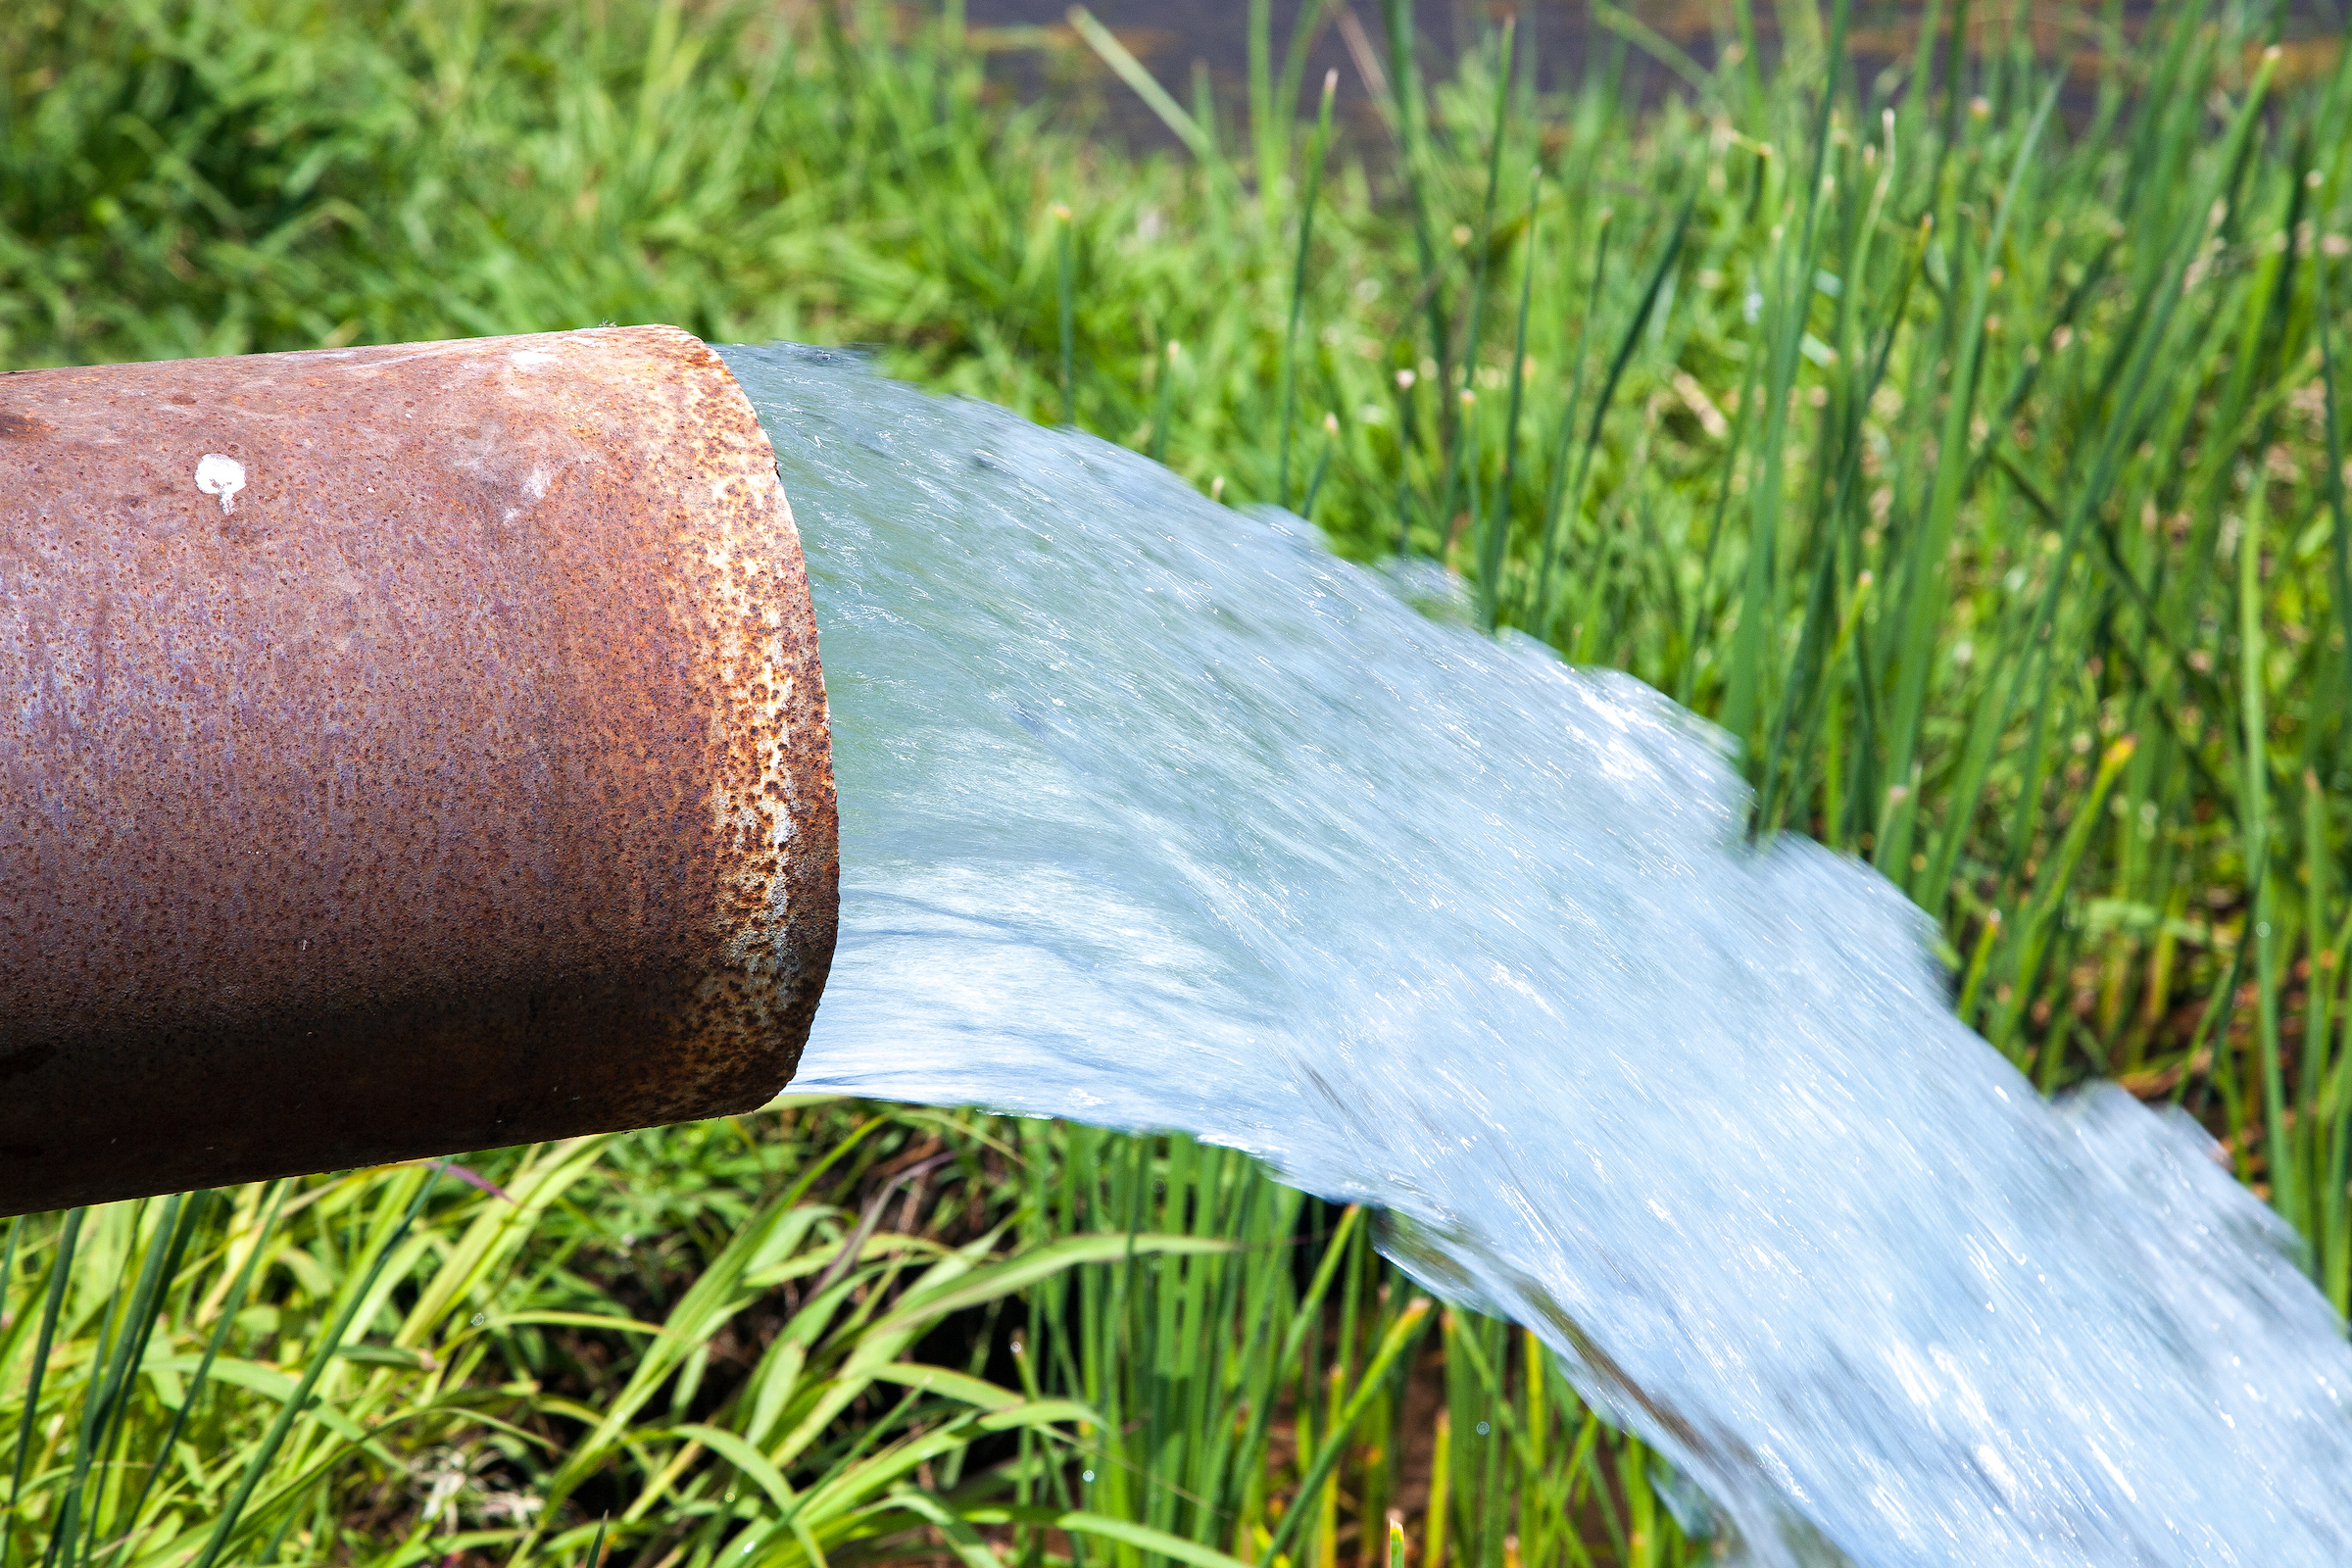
402	750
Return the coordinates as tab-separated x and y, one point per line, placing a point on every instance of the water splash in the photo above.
1156	815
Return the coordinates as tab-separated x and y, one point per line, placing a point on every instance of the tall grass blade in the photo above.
1307	234
1497	535
1556	487
1455	475
1925	575
231	1306
2333	418
1626	348
2255	822
1063	315
322	1355
1163	397
1129	70
60	1273
1404	80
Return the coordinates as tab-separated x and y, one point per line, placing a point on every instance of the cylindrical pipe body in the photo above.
402	750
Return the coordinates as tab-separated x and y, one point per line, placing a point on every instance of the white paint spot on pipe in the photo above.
526	358
218	475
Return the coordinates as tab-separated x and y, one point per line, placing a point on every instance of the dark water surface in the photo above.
1561	41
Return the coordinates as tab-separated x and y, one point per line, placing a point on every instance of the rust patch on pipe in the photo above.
402	750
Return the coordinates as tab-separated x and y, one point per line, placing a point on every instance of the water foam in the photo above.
1157	814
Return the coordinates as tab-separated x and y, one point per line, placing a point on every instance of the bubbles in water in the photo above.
1156	815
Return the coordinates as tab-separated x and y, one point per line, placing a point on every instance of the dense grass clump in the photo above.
1964	433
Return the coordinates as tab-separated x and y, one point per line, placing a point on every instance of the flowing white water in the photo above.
1157	814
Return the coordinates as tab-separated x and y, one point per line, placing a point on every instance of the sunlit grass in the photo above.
1967	441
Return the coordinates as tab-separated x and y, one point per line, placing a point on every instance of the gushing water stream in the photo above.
1156	815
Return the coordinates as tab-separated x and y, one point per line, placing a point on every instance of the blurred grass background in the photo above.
1955	416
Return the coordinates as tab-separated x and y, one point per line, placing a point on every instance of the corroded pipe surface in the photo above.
402	750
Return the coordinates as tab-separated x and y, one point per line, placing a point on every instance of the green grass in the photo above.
825	1335
1970	446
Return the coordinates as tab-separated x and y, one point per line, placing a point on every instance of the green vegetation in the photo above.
1966	437
828	1334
